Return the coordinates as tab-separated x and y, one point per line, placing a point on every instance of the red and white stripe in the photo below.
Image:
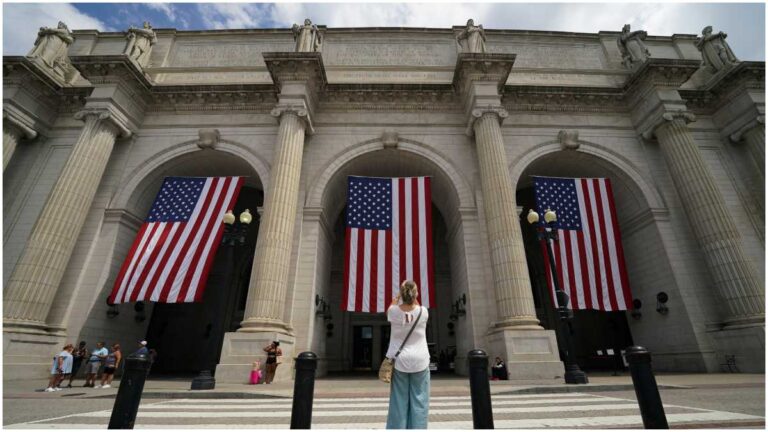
169	261
590	263
377	261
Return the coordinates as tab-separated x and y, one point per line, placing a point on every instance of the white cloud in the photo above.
165	8
22	21
233	15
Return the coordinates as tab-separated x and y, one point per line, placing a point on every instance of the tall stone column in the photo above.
35	279
734	275
13	131
272	260
512	285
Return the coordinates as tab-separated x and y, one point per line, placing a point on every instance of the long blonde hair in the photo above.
408	292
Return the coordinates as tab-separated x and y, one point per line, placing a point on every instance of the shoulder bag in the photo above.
388	364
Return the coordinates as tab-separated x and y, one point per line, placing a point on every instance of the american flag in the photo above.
388	240
588	255
173	251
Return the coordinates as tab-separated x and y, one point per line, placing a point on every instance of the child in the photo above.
256	372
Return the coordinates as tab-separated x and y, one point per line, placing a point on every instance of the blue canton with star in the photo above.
558	194
176	200
369	203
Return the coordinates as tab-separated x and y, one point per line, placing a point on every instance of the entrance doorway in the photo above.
362	351
189	336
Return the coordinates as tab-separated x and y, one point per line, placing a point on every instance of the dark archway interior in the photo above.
189	336
594	332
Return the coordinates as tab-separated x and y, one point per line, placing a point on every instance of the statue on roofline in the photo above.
51	47
140	41
307	37
716	54
631	46
472	38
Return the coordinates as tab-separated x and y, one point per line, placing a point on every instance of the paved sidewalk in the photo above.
340	386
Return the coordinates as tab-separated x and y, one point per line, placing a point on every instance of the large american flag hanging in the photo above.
588	255
388	240
174	249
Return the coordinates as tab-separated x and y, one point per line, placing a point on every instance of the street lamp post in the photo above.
573	375
234	235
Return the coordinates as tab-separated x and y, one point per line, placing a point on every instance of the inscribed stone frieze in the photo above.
565	79
553	56
369	53
389	77
223	54
214	78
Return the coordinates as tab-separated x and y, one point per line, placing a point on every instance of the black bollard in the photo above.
480	390
129	395
647	391
303	391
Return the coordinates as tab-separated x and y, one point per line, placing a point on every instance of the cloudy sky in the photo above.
743	22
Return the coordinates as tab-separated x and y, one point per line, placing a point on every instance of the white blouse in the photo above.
415	354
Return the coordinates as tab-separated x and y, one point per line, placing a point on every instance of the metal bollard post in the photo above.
303	391
647	391
480	390
129	394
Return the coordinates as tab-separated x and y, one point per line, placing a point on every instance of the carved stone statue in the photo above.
715	53
632	48
472	38
307	37
51	47
140	41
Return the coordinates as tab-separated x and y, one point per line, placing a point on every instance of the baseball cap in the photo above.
143	343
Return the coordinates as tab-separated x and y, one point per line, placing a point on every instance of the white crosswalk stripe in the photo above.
567	410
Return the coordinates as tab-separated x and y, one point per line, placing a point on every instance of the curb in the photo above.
200	394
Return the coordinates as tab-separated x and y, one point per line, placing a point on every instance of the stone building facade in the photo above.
94	121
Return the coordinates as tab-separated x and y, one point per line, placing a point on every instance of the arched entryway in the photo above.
188	336
358	341
595	333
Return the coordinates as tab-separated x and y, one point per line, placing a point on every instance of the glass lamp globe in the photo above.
550	216
229	218
245	217
533	217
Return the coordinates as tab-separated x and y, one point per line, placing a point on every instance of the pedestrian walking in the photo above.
409	391
111	364
94	364
61	368
274	355
78	355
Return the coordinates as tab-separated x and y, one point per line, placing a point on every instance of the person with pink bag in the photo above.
256	372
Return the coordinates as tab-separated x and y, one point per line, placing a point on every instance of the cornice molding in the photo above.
296	66
111	69
564	99
471	67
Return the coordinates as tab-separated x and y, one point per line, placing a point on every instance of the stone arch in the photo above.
459	197
131	192
614	162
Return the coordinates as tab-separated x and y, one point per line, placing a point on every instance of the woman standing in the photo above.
273	352
409	394
110	366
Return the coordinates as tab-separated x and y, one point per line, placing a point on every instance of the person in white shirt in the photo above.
409	394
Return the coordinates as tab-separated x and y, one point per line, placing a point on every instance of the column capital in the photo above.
662	117
758	121
18	123
491	110
105	114
298	109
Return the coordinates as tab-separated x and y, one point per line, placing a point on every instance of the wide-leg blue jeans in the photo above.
409	400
